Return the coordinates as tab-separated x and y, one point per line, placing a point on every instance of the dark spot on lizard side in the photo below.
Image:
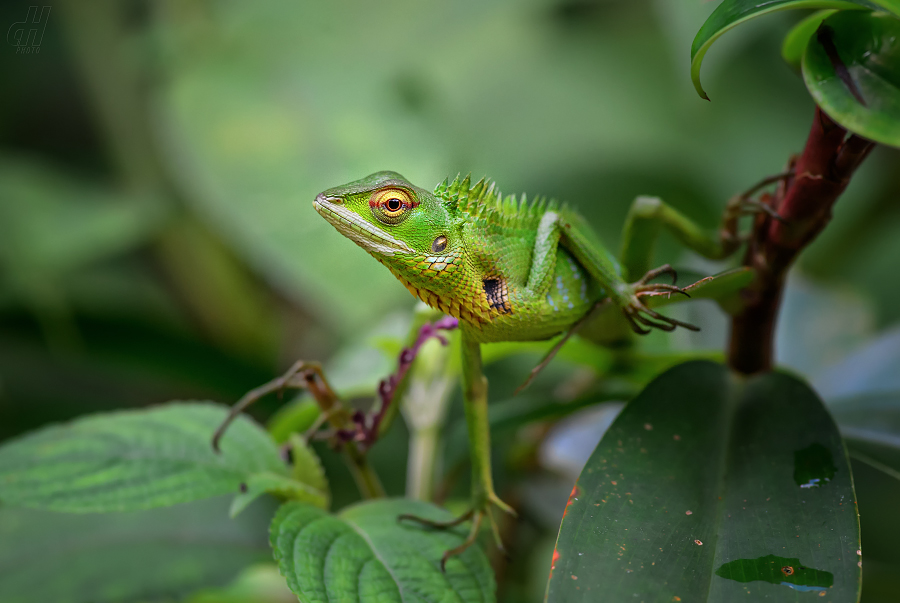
497	294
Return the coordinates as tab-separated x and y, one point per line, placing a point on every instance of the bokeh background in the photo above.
158	161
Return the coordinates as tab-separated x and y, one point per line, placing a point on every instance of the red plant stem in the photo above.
804	202
367	428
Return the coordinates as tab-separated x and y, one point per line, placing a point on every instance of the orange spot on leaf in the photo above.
572	495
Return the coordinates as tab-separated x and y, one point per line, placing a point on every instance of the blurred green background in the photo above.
158	161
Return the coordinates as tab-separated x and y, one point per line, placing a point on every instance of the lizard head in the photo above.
403	226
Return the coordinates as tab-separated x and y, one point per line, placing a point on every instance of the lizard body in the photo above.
495	263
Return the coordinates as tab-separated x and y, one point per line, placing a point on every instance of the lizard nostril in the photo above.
322	199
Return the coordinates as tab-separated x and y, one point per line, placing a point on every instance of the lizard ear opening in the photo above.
439	244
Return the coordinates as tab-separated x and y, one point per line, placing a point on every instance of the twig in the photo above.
804	201
367	427
309	376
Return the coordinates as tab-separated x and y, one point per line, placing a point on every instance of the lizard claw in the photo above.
639	315
744	204
477	515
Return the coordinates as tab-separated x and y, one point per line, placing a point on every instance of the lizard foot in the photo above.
477	515
744	204
639	314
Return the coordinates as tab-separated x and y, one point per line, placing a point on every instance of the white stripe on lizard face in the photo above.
365	234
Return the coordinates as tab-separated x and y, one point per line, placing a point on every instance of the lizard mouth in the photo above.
366	235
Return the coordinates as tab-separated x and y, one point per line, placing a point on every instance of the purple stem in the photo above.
366	432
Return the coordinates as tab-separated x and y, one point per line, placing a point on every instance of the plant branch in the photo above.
803	201
367	428
309	376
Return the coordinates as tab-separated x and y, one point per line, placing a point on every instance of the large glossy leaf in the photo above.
364	554
867	46
131	460
732	13
144	556
710	487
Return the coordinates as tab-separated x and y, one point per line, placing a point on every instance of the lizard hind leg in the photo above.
559	344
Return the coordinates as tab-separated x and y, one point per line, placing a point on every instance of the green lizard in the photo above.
509	270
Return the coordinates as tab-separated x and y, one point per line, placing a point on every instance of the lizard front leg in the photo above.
578	238
475	398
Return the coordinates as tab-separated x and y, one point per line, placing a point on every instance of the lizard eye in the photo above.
439	244
391	205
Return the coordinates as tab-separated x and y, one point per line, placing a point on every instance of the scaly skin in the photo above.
509	270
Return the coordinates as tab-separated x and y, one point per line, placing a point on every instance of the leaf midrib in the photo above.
731	401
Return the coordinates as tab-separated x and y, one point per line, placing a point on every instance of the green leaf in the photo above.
704	484
145	556
363	553
307	468
871	427
296	416
892	6
307	485
869	46
796	40
280	486
731	13
132	460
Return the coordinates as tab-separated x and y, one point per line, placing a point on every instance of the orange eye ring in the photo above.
391	205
